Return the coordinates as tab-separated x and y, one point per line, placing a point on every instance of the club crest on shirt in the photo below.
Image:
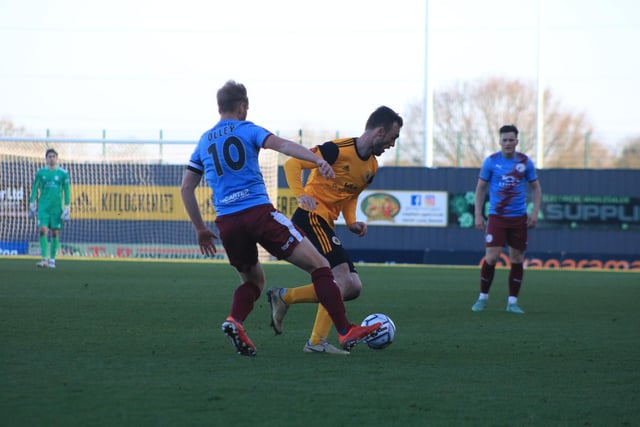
488	238
520	167
336	241
367	177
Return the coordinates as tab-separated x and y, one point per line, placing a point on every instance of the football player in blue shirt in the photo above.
506	175
227	155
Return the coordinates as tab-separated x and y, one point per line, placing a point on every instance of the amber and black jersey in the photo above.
353	175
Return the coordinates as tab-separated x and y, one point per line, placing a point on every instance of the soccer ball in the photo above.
385	335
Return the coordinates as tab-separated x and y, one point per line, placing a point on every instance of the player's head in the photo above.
51	156
385	117
385	125
509	128
508	140
232	98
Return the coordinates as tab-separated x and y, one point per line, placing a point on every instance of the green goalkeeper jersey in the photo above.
49	187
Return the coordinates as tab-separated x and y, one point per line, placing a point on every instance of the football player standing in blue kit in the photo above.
506	174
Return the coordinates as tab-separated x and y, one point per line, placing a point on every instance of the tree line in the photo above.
467	117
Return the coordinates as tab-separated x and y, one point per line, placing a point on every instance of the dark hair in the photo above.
509	128
385	117
230	95
51	150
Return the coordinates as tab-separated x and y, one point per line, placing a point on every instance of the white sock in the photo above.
483	296
513	300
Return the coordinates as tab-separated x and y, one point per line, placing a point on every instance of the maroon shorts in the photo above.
506	230
263	224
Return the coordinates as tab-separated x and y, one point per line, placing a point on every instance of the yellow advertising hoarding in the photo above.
155	203
287	202
133	203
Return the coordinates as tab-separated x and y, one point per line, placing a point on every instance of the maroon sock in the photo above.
515	279
243	300
329	296
486	277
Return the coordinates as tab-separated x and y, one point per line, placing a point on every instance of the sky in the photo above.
135	67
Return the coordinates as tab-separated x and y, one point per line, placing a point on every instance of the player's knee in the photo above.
491	260
516	255
351	290
352	294
516	259
318	260
492	255
306	257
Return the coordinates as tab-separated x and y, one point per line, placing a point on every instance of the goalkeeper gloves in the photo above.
32	210
65	214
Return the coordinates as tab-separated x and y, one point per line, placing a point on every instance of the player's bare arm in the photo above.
349	212
481	191
536	195
298	151
190	181
293	173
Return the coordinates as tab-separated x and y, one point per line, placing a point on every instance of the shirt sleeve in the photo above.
531	171
195	164
485	170
349	211
67	190
293	172
34	188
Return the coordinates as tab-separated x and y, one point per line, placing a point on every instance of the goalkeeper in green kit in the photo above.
49	187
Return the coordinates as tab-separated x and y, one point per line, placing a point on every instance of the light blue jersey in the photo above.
508	180
227	155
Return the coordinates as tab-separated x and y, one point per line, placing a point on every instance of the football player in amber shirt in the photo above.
320	202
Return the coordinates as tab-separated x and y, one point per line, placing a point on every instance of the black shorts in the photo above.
323	237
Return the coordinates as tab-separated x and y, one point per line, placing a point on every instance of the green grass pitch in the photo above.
113	343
